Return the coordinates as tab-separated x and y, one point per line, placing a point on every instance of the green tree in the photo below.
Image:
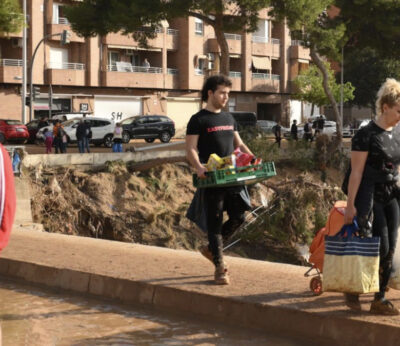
11	18
310	89
367	70
92	17
371	23
308	21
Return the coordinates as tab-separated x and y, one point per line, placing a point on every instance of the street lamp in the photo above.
65	38
23	91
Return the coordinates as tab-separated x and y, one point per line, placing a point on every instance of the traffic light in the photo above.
65	37
36	92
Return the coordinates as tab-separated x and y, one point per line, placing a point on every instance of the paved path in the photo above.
268	296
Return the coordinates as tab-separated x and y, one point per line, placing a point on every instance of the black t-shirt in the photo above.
383	149
216	133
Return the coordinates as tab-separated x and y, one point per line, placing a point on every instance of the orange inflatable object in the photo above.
332	227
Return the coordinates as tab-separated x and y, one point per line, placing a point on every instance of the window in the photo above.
113	58
232	105
58	58
199	27
135	60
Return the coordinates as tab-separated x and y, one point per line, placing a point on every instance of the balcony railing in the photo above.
131	68
61	20
265	76
259	39
173	71
234	74
172	32
198	71
233	37
10	62
297	43
55	65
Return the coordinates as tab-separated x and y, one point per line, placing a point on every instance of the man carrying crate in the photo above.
212	131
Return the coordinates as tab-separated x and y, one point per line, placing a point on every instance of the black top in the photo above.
81	131
383	152
293	129
216	133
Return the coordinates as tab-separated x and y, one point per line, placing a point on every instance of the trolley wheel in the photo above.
316	286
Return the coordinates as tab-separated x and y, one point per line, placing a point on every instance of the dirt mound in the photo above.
148	207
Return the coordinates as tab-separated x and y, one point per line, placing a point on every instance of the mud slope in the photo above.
148	207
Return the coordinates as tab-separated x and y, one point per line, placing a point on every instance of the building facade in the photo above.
112	76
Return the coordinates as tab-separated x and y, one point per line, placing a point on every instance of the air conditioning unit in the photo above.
129	52
16	42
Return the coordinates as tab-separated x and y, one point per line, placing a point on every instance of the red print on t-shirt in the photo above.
220	128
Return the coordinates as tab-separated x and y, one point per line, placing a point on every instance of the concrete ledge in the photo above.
181	281
96	159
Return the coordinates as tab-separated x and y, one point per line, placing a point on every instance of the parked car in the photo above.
33	128
69	116
245	119
148	127
102	130
13	131
266	125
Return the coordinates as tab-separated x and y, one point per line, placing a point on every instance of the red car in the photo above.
13	130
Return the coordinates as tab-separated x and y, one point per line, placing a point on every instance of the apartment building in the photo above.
108	75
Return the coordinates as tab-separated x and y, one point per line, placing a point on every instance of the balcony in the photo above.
58	26
129	76
264	46
9	69
172	39
236	78
127	41
265	82
234	44
65	73
298	51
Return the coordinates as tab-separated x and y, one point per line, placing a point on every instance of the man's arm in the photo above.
238	143
193	156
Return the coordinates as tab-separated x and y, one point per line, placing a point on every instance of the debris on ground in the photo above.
148	206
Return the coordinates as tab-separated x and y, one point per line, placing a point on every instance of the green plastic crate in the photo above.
236	176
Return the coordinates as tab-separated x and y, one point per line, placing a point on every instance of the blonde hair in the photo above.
389	94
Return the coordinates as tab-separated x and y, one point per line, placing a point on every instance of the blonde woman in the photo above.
372	189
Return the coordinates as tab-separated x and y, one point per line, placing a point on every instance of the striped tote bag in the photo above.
351	263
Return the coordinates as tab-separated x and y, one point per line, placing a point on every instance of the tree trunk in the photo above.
223	44
312	108
319	63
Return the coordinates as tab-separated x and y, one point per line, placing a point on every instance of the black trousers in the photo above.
218	200
385	226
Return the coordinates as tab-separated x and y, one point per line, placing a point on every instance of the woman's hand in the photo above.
349	214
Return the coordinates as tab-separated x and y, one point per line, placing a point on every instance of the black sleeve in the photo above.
361	139
193	127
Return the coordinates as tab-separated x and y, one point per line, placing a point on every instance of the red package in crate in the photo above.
242	159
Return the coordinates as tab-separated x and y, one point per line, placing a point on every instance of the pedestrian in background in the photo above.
57	137
88	135
278	133
117	139
293	130
308	133
48	140
80	136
